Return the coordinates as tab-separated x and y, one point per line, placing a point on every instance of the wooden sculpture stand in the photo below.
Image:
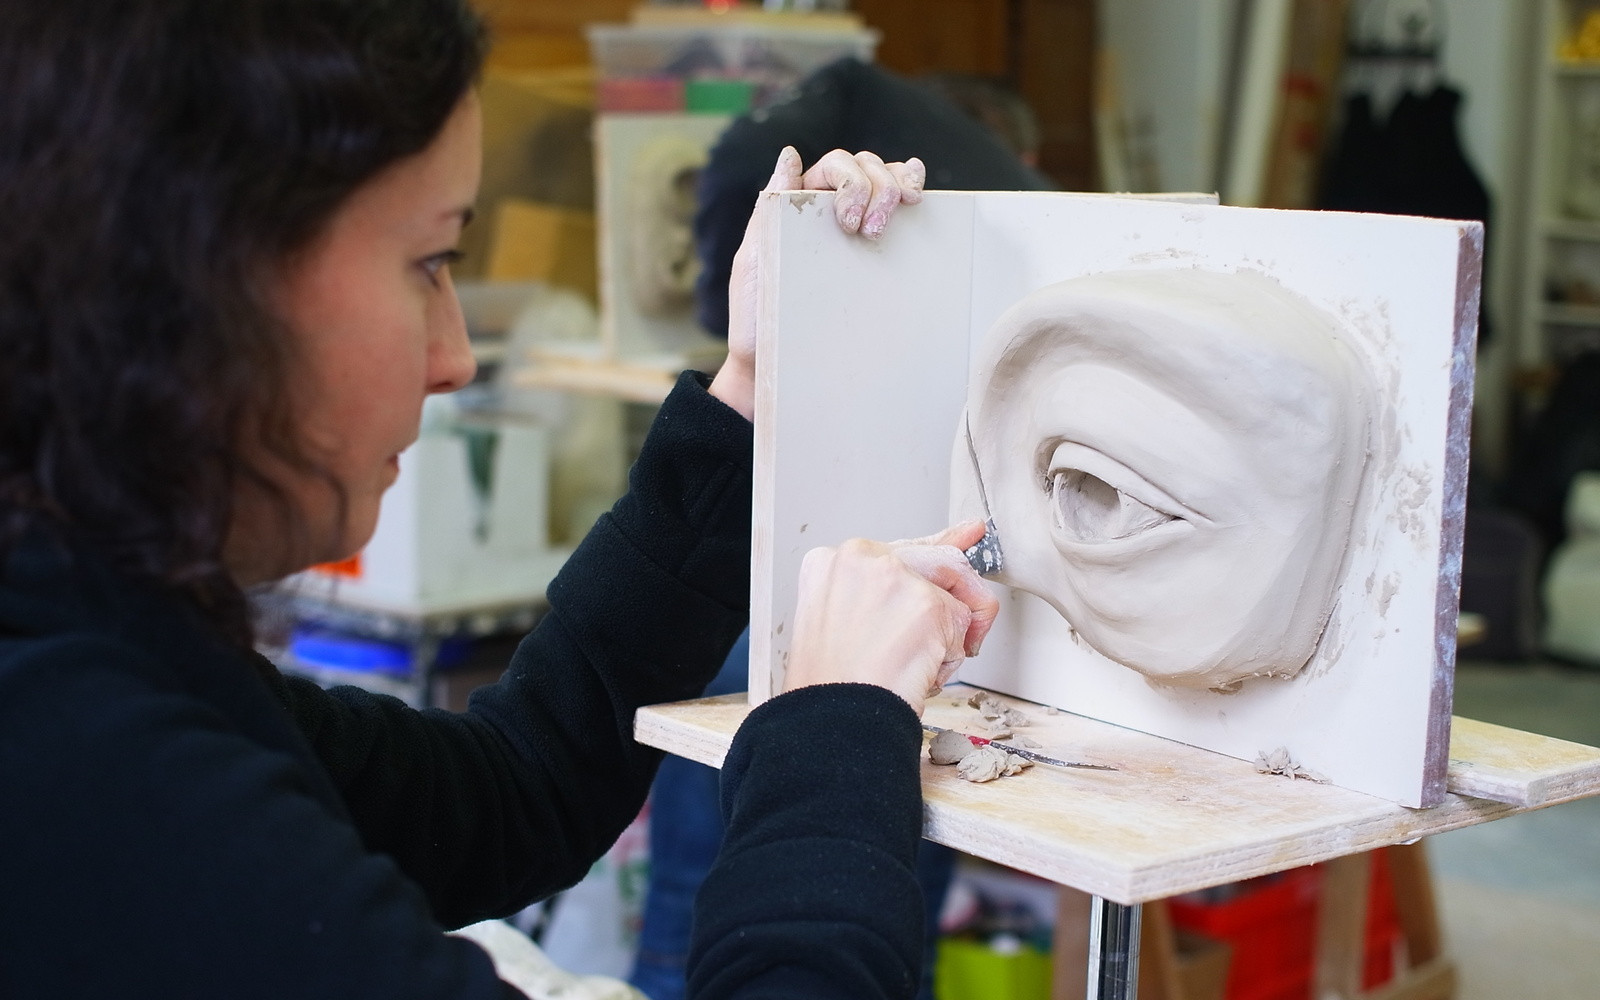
1174	819
1165	973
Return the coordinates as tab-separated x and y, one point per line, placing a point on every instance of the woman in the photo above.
224	294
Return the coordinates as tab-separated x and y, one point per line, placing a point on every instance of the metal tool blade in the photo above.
985	557
1037	758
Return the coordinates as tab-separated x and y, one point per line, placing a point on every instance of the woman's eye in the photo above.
1092	510
431	266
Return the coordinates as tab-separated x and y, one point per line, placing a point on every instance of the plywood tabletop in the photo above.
1172	818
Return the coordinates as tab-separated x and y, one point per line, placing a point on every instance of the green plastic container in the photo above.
972	970
718	97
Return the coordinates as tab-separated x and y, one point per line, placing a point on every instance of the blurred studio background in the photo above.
624	146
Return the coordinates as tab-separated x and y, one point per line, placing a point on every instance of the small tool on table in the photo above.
1037	758
986	558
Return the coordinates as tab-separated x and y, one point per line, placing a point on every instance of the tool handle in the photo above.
985	557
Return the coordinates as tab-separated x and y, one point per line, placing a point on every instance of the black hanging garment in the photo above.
1412	164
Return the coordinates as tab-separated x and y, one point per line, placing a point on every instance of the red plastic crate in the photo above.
645	93
1271	926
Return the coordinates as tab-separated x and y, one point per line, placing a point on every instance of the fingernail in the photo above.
875	223
852	219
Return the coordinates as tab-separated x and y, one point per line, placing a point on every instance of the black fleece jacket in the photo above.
178	820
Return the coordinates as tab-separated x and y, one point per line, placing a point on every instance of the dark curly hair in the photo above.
158	159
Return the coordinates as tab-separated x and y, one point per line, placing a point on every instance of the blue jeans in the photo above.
685	835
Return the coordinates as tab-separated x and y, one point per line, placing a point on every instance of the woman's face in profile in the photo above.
1173	460
375	327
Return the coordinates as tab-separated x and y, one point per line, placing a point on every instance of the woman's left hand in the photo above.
869	191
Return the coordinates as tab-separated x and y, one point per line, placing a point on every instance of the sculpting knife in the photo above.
985	557
1037	758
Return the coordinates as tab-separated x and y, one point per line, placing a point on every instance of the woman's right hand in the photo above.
901	615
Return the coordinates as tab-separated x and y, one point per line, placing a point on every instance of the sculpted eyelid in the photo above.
1072	455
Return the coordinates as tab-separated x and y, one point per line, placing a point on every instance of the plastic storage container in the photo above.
642	68
1271	924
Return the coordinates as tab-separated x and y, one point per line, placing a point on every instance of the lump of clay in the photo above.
1174	460
995	713
1279	762
948	747
989	763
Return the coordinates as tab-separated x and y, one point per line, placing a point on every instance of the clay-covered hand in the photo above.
869	191
901	615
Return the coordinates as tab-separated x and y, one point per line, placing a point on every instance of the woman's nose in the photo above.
450	361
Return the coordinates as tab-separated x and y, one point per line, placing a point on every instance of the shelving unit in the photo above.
422	630
1561	264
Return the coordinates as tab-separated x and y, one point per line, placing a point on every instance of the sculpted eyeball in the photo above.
1174	460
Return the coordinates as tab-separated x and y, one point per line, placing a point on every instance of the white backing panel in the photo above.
865	448
861	396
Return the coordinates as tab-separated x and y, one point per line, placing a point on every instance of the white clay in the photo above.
1174	460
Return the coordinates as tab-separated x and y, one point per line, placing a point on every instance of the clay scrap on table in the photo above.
989	763
1175	460
996	714
1279	762
974	763
948	747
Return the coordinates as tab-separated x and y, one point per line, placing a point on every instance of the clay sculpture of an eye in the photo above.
1174	460
1089	509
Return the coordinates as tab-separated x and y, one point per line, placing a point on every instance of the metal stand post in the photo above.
1113	950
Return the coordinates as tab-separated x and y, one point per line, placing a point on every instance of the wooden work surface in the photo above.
1173	818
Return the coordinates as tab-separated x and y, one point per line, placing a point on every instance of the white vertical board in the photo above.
1371	710
862	368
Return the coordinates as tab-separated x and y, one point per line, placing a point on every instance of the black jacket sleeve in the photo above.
515	798
815	893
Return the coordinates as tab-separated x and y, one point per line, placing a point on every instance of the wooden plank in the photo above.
583	367
1069	945
1434	981
1158	955
1052	64
1506	765
1415	902
951	36
1341	927
1173	819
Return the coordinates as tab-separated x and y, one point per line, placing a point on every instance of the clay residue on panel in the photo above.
1175	459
